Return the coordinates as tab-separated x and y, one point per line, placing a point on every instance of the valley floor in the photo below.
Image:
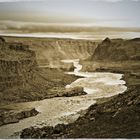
115	117
67	109
49	83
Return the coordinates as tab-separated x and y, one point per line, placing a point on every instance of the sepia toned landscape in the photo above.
69	76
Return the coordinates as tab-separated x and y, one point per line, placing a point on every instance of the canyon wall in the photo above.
23	62
117	50
17	64
49	51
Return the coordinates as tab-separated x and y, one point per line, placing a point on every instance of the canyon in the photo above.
49	51
68	108
23	69
43	68
111	117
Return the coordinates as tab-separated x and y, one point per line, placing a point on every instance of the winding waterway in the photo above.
67	109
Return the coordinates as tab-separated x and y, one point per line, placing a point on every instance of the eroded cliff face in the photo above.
50	51
17	64
25	77
117	50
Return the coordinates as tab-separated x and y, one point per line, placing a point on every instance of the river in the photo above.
68	109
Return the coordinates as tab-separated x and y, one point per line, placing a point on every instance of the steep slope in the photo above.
117	50
17	64
21	79
49	51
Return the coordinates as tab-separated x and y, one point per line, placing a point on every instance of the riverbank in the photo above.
11	115
53	87
66	110
22	81
46	84
117	117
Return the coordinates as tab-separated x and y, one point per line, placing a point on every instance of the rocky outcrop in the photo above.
59	92
18	47
117	50
7	117
2	40
17	64
76	91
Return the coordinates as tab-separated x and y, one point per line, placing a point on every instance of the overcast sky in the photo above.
119	13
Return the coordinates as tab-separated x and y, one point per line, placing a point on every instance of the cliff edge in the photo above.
17	64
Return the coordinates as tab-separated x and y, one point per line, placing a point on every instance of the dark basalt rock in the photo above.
106	40
74	92
59	92
7	117
135	39
2	40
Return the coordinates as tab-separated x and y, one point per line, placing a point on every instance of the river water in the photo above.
67	109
